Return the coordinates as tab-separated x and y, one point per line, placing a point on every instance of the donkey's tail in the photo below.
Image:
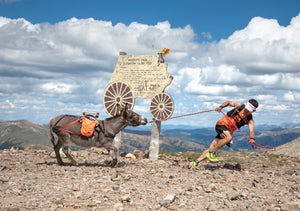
53	128
51	133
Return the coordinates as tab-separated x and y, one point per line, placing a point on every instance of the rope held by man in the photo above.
254	145
159	120
258	146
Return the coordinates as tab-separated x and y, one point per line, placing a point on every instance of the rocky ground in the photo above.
31	180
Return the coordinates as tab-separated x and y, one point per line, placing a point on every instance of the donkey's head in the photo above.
130	117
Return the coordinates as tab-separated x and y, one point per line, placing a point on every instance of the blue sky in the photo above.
220	50
218	17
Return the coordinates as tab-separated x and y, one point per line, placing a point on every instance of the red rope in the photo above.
258	146
181	116
71	123
254	145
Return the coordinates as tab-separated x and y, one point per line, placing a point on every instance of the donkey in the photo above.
103	136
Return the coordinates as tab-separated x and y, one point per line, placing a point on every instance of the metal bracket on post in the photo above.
154	143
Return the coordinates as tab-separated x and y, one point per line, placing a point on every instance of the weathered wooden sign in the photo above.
140	76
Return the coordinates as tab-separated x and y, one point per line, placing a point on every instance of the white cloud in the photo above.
71	62
57	88
10	104
207	35
288	96
262	47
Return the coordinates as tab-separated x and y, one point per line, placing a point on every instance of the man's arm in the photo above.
228	103
251	131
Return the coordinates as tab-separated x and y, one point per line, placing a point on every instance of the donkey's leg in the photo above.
56	150
65	149
114	154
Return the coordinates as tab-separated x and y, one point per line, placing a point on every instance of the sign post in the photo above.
141	76
154	143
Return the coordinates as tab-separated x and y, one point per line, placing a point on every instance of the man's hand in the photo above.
218	109
251	141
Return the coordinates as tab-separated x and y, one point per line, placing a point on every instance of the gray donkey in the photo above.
103	136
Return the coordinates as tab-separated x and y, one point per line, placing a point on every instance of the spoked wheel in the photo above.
161	106
117	93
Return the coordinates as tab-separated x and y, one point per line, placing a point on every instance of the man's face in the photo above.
247	112
250	108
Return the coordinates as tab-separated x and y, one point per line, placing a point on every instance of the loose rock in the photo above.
32	180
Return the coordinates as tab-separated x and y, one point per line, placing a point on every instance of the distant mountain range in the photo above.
23	133
272	137
32	135
35	136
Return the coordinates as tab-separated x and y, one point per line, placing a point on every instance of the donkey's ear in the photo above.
125	109
120	108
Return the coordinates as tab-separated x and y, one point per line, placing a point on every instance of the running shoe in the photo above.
211	156
194	163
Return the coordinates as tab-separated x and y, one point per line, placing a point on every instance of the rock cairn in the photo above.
32	180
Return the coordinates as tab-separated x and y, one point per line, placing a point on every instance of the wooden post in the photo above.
154	143
118	141
155	130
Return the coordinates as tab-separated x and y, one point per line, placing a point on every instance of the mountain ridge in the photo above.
34	135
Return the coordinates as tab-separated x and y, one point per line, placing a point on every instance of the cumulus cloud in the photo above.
261	61
65	67
263	47
207	35
72	61
264	54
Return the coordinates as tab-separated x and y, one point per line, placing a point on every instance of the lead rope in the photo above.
254	145
159	120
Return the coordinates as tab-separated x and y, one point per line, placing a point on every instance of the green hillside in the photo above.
24	133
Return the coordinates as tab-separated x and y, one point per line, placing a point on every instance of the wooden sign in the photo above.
144	73
140	76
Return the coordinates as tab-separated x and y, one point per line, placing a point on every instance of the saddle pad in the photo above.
87	127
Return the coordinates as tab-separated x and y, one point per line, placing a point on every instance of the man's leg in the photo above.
203	155
217	144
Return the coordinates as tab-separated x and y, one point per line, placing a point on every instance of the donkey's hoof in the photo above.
112	163
121	164
75	163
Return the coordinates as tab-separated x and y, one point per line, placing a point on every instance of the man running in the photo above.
238	117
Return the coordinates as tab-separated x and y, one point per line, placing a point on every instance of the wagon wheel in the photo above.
161	106
117	93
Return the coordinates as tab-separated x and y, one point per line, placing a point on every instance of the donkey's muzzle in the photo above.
144	121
